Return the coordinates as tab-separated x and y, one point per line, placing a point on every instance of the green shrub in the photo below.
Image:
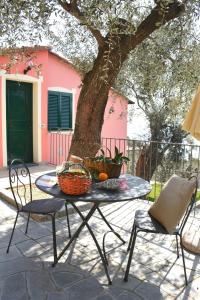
156	189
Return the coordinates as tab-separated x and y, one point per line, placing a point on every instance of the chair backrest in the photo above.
190	206
20	182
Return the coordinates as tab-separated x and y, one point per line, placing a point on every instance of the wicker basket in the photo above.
74	178
74	184
113	170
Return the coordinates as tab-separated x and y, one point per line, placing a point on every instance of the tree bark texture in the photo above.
149	159
93	99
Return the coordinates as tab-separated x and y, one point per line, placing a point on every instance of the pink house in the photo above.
39	91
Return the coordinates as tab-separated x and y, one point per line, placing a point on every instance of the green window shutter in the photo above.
59	111
66	111
53	110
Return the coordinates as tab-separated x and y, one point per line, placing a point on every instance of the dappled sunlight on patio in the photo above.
155	271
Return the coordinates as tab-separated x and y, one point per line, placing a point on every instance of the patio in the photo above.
26	272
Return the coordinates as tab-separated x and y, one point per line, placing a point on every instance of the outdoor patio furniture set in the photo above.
168	215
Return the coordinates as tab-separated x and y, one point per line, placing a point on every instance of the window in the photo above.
59	111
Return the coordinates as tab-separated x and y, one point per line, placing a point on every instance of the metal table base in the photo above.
85	220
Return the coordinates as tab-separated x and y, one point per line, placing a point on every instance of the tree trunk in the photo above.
93	99
149	159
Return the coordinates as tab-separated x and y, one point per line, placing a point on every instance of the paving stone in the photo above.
114	290
15	288
170	288
36	230
31	248
18	265
139	270
39	284
176	276
47	257
192	291
46	242
130	285
152	260
129	296
149	292
105	296
62	267
12	254
85	289
64	279
18	236
58	296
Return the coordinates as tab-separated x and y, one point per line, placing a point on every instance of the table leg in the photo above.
76	234
111	228
104	261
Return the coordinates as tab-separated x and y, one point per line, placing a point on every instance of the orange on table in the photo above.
103	176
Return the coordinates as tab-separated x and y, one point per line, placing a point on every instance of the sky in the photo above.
138	127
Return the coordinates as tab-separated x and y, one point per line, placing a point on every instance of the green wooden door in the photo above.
19	120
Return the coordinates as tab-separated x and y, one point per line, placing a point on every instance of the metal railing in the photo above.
151	160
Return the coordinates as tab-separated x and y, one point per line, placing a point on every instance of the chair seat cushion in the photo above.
44	206
191	241
146	222
172	202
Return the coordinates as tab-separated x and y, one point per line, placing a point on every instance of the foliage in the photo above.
118	158
162	75
104	33
48	22
156	189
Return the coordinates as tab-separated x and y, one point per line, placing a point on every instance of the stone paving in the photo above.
26	271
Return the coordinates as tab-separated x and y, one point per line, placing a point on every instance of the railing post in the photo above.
133	158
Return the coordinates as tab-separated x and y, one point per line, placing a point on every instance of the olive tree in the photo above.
113	28
162	75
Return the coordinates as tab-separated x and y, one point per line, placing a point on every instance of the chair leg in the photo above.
194	209
68	224
131	237
184	267
130	254
12	233
27	223
177	247
54	238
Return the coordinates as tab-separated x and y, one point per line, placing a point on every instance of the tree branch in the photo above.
140	99
72	9
154	21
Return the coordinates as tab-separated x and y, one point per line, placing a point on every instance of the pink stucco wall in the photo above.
63	75
115	118
1	149
59	74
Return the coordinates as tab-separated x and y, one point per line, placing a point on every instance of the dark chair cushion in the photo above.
147	223
44	206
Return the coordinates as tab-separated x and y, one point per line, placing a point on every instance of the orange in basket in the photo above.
103	176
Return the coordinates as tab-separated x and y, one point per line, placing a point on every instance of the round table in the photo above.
131	187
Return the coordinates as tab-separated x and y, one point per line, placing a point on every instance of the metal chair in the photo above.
21	187
143	222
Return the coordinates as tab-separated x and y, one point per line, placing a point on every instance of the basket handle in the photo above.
85	169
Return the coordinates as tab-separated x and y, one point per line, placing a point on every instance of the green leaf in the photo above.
102	151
